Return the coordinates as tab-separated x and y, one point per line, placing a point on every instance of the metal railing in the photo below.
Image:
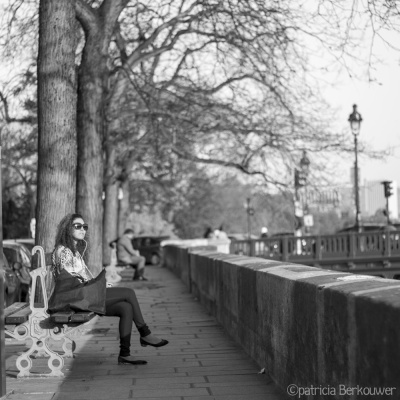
375	253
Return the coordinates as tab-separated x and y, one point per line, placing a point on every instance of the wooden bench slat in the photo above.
66	317
62	316
15	307
19	317
10	328
82	316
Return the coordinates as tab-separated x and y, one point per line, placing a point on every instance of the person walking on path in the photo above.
128	255
68	254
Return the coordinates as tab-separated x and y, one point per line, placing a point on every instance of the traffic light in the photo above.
299	178
388	189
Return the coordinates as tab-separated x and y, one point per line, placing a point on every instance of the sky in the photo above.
379	105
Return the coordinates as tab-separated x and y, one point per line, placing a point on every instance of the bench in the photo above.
32	321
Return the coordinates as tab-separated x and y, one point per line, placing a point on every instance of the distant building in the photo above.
347	205
320	200
372	199
342	199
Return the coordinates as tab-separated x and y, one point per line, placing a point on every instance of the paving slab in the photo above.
201	362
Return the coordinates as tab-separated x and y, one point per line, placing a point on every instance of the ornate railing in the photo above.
376	253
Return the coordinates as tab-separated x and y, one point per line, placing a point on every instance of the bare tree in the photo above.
219	88
230	81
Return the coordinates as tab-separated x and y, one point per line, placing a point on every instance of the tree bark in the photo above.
57	151
110	220
123	209
98	25
90	150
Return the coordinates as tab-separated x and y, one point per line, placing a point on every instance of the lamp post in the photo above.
305	164
355	124
305	169
250	212
300	180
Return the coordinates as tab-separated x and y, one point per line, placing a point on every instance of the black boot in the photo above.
130	360
144	330
124	353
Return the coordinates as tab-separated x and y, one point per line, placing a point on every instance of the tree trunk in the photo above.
110	220
90	152
98	24
123	209
56	118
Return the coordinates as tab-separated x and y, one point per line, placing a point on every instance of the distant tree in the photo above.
19	162
148	223
326	223
274	211
221	203
198	210
378	217
18	131
15	218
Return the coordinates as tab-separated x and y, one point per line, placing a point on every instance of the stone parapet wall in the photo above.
221	245
307	326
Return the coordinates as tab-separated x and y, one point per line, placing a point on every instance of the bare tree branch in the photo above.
9	119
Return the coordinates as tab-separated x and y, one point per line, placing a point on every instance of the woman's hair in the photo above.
64	235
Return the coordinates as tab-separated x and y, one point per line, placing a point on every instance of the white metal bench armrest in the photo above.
45	277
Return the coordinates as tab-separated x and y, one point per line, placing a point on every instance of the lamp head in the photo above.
305	163
355	121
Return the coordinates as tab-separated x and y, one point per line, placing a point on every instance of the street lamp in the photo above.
305	165
355	124
300	180
305	170
250	212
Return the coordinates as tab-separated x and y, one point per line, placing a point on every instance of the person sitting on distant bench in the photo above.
128	255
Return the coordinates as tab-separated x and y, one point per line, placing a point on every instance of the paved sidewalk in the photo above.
200	363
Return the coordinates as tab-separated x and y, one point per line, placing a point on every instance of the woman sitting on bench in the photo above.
69	250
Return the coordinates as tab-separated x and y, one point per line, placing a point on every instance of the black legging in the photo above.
122	302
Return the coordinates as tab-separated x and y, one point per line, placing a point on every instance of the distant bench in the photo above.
31	321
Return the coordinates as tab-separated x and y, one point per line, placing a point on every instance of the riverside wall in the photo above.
313	328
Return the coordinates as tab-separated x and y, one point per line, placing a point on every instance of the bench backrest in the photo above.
42	279
43	283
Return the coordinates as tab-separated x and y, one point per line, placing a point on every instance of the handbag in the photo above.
72	294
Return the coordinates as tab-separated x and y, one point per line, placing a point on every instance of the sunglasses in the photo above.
78	227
